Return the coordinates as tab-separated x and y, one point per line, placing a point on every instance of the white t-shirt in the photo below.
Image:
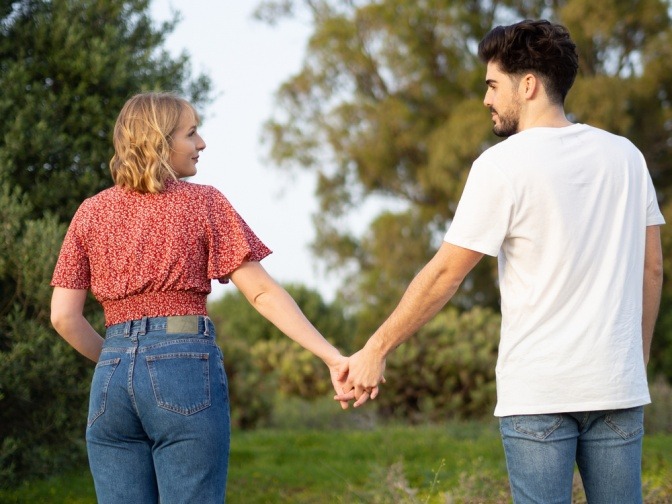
566	211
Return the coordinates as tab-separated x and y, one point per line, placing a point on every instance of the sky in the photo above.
247	61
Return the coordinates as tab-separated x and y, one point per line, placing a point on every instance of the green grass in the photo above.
456	462
74	487
361	466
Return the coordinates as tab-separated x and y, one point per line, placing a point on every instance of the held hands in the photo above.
359	378
335	371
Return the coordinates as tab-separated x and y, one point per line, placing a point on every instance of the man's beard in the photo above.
508	123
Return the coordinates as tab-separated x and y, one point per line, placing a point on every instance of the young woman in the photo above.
147	248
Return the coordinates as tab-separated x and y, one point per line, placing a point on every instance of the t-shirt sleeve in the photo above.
484	212
72	269
230	240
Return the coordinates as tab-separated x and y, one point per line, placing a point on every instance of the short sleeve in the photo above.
72	269
484	213
230	240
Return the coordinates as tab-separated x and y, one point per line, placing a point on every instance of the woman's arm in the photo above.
67	317
276	305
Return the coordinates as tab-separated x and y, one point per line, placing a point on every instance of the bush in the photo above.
43	382
251	391
658	414
44	389
260	373
262	362
298	372
445	371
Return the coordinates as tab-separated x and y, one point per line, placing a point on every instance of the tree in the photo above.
43	382
388	104
66	68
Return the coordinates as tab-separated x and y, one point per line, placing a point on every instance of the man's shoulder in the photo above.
604	136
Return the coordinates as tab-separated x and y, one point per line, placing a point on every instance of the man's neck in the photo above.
547	117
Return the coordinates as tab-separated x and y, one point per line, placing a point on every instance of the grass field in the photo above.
452	463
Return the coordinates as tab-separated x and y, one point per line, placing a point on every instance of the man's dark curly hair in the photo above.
539	47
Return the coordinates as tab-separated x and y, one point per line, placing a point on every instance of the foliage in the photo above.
658	414
43	383
235	317
251	392
262	362
446	371
388	106
66	68
297	370
660	362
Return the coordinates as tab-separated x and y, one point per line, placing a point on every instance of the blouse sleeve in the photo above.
230	240
72	269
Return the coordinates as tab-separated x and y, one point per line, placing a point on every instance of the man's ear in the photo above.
529	86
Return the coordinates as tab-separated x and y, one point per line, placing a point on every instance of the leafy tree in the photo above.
66	68
388	104
43	382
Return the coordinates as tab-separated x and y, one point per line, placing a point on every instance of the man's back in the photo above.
566	210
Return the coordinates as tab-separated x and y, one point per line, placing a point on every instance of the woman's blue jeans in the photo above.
159	424
606	445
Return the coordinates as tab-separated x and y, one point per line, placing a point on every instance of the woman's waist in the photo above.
154	304
177	325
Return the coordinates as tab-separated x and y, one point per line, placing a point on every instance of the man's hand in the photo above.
361	378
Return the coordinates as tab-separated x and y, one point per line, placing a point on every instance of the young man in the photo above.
572	215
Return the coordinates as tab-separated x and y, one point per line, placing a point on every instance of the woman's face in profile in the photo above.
185	146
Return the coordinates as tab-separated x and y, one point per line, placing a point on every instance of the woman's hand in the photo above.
361	379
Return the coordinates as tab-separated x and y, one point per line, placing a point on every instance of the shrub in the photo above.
445	371
251	391
261	361
658	414
298	372
43	382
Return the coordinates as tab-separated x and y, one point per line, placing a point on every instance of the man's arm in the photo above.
429	291
653	284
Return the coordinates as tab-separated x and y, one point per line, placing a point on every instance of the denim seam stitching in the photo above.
157	391
112	364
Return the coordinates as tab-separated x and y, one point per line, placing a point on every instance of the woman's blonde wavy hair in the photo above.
142	140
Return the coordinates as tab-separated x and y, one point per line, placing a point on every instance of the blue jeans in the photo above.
158	423
606	445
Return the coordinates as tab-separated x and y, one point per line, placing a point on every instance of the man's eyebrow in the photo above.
490	81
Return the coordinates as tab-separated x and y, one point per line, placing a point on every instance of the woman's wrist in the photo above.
332	357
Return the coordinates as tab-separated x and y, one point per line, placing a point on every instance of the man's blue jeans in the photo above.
606	445
159	423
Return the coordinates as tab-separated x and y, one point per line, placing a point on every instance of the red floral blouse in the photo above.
154	254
